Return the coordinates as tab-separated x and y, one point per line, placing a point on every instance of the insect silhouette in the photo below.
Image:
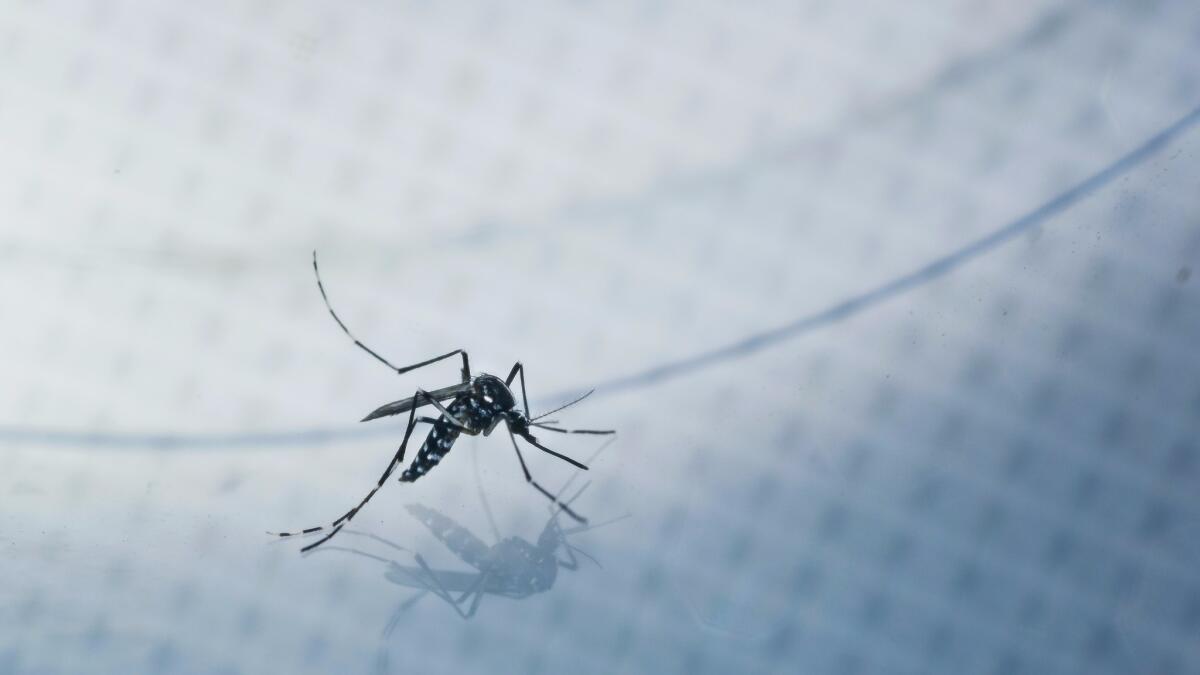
512	567
478	404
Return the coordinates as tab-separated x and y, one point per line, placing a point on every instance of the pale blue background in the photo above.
982	463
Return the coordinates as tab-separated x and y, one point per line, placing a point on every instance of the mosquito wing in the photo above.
415	577
406	404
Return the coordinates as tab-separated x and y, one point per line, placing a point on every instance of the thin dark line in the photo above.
937	268
840	311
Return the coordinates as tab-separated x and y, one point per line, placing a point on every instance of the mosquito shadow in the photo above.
511	567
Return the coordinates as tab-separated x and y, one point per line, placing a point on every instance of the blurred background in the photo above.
894	306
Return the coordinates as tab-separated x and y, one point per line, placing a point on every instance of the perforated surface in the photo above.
981	463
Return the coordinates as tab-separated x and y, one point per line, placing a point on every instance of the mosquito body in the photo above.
512	567
476	409
477	405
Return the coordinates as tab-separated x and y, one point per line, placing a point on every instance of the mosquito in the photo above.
478	404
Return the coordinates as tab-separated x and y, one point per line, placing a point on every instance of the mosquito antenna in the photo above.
563	407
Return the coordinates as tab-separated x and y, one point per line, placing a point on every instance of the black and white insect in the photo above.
478	404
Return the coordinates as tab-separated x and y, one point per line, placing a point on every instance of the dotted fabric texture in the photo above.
994	469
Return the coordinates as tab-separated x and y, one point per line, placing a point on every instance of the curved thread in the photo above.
933	270
744	347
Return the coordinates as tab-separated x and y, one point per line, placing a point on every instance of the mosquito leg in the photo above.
475	603
588	461
413	600
434	420
399	613
440	591
466	367
519	369
442	409
572	563
598	432
338	524
353	551
475	586
529	479
534	442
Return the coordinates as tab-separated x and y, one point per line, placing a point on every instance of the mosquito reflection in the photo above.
512	567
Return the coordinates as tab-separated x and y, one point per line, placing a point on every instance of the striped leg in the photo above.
574	431
466	366
519	369
529	478
346	517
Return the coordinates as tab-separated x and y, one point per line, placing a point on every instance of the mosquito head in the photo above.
493	393
517	421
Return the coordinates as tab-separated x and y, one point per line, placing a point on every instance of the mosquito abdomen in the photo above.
439	441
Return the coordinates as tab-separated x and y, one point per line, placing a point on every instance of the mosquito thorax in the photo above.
493	393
